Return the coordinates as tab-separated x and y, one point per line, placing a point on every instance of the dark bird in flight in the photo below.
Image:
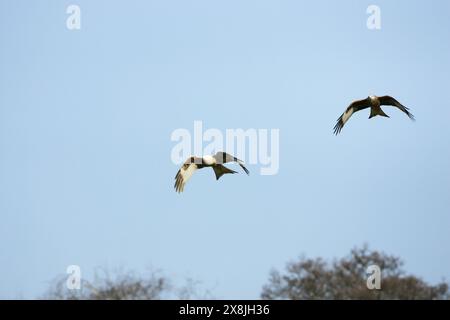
193	163
372	102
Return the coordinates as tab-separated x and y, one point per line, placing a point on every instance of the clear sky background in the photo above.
86	117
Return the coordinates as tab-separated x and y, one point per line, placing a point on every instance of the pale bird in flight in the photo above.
193	163
374	103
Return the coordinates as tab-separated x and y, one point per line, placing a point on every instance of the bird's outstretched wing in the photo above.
185	173
223	157
355	106
390	101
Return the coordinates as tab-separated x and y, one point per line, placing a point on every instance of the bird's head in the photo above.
209	160
374	100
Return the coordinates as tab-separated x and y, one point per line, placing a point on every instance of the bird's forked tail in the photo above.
220	170
377	112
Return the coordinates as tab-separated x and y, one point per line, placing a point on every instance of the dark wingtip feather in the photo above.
244	168
339	125
337	128
178	183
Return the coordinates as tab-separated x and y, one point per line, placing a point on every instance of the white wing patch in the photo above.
184	175
347	114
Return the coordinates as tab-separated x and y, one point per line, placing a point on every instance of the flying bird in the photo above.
215	162
372	102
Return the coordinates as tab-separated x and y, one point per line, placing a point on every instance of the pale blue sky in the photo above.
86	117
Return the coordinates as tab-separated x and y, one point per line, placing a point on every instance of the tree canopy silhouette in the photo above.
346	278
123	286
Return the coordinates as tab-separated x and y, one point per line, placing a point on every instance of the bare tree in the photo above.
124	286
346	278
121	286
